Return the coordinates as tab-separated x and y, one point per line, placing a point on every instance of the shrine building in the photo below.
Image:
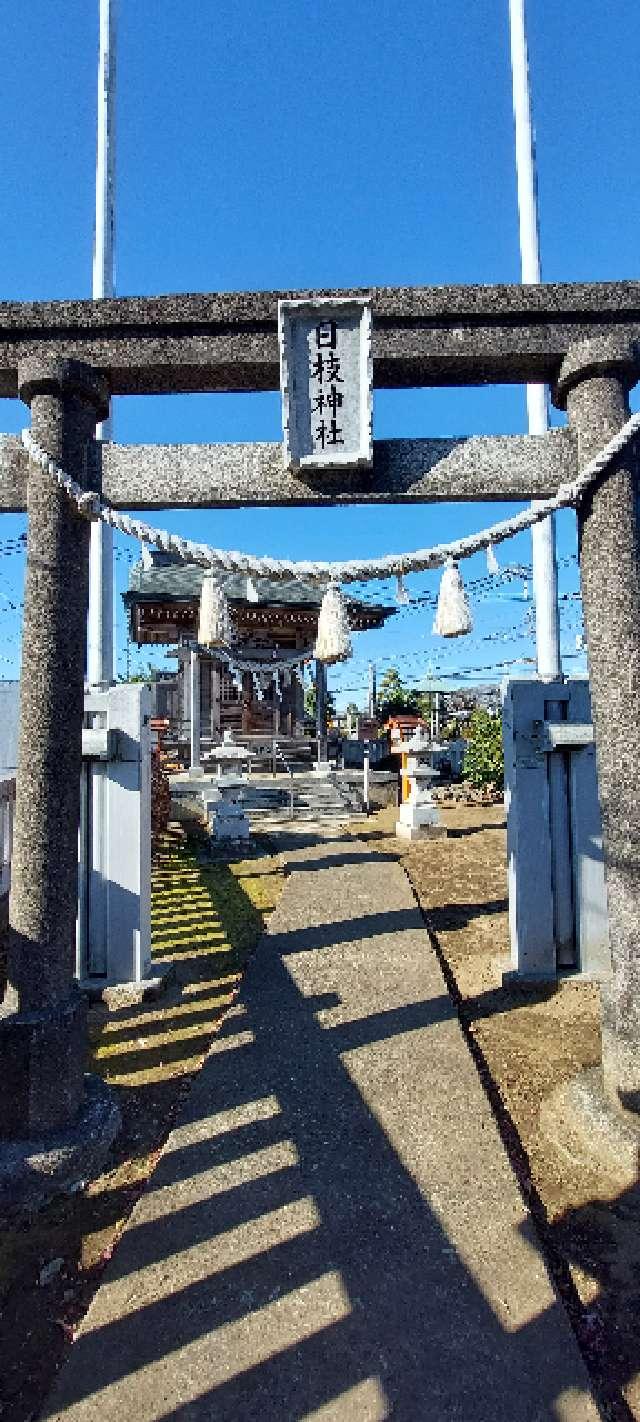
272	622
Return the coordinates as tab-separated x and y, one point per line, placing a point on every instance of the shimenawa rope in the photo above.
568	495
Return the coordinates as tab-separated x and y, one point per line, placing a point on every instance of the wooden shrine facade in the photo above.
271	622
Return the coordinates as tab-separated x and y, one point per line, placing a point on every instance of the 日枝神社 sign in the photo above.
326	379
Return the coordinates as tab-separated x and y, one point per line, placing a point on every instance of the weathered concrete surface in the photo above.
594	385
439	335
42	1018
146	476
334	1231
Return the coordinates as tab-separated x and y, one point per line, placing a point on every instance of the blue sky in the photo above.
301	144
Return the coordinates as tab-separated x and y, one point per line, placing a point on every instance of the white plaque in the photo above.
326	379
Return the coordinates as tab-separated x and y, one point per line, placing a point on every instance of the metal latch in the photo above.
566	735
98	744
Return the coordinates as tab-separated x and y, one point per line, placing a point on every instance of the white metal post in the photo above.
100	649
194	702
545	573
366	777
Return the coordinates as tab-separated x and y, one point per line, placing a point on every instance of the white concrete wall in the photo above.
114	930
532	854
9	714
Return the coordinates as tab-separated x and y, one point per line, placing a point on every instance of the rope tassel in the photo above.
333	642
453	615
402	596
214	624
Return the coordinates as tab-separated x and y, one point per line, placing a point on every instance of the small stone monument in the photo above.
225	811
418	817
326	378
227	817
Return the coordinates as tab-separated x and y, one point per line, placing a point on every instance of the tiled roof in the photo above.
183	581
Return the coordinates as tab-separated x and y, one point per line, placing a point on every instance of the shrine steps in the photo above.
315	798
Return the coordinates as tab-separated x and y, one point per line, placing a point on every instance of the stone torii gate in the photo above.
64	359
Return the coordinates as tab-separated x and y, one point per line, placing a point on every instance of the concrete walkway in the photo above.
333	1231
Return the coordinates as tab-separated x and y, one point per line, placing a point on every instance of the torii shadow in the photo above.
362	1308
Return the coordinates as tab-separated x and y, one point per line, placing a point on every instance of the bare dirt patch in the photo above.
525	1045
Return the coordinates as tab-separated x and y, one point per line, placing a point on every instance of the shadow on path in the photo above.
288	1261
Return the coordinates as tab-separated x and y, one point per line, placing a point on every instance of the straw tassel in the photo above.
333	642
214	624
402	596
492	562
453	615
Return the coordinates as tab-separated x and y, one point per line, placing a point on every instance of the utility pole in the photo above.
545	572
100	649
372	707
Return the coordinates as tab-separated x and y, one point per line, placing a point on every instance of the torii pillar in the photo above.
593	386
44	1102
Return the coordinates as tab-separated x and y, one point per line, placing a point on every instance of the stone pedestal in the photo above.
419	822
228	820
41	1067
42	1039
593	387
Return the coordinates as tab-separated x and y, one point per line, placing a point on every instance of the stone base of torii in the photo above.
65	360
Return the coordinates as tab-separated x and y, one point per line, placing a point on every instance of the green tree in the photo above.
422	701
310	702
484	757
147	673
392	693
394	696
390	686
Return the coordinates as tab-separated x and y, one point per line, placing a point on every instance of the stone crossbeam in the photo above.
456	335
519	467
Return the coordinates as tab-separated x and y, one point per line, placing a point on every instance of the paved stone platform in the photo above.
333	1231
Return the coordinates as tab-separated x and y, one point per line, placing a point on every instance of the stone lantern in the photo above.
225	808
418	816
